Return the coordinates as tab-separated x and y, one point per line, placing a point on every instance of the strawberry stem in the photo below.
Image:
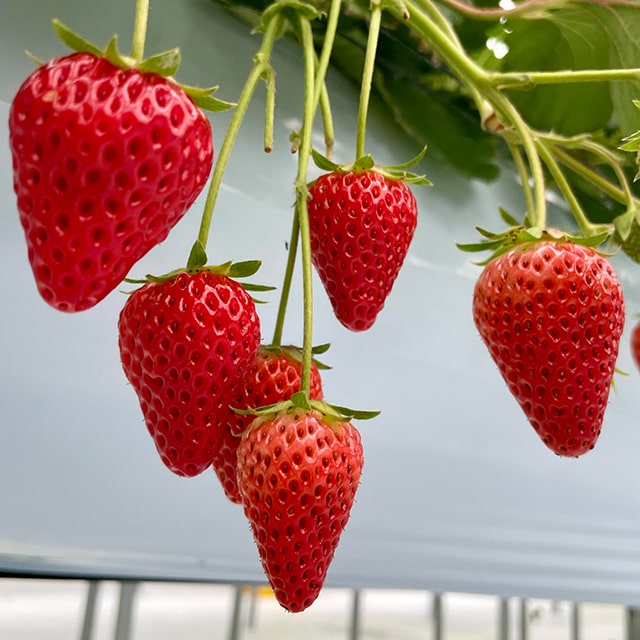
260	70
302	194
140	30
319	90
367	74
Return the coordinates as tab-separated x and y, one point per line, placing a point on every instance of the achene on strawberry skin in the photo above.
274	376
552	314
105	162
185	345
361	225
298	475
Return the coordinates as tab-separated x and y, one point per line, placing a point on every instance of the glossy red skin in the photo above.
552	315
635	344
105	163
298	478
361	226
185	345
273	377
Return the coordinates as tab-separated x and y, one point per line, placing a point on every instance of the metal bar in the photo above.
523	626
436	616
503	619
354	629
234	628
574	621
125	610
90	610
633	623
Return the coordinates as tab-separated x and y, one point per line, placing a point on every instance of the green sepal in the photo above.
367	163
243	269
164	64
74	41
341	413
197	257
296	354
114	56
209	103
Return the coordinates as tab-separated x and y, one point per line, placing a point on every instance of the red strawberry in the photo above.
105	161
361	225
274	376
185	344
298	475
635	344
551	315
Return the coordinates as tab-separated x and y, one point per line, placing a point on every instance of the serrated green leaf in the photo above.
621	25
568	38
164	64
73	40
244	269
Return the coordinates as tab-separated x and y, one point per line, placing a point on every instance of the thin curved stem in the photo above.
261	66
524	177
587	227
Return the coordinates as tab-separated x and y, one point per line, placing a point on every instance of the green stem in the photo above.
524	177
302	194
327	122
139	30
529	79
586	172
583	222
260	67
367	74
319	90
286	285
476	78
270	107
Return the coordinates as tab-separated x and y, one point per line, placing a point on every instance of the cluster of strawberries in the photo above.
108	159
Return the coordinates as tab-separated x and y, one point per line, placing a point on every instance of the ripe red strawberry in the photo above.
105	162
635	344
185	344
298	475
361	226
551	315
274	376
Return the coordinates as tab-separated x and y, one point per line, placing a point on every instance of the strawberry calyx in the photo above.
366	163
234	270
331	413
525	234
295	353
164	64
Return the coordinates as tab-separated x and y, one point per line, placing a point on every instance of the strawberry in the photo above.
298	474
635	344
551	314
185	344
273	377
361	226
105	162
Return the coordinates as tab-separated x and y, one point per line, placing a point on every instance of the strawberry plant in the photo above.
110	151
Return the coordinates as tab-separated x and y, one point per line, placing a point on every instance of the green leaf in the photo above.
568	39
164	64
250	286
321	348
199	92
621	25
73	40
